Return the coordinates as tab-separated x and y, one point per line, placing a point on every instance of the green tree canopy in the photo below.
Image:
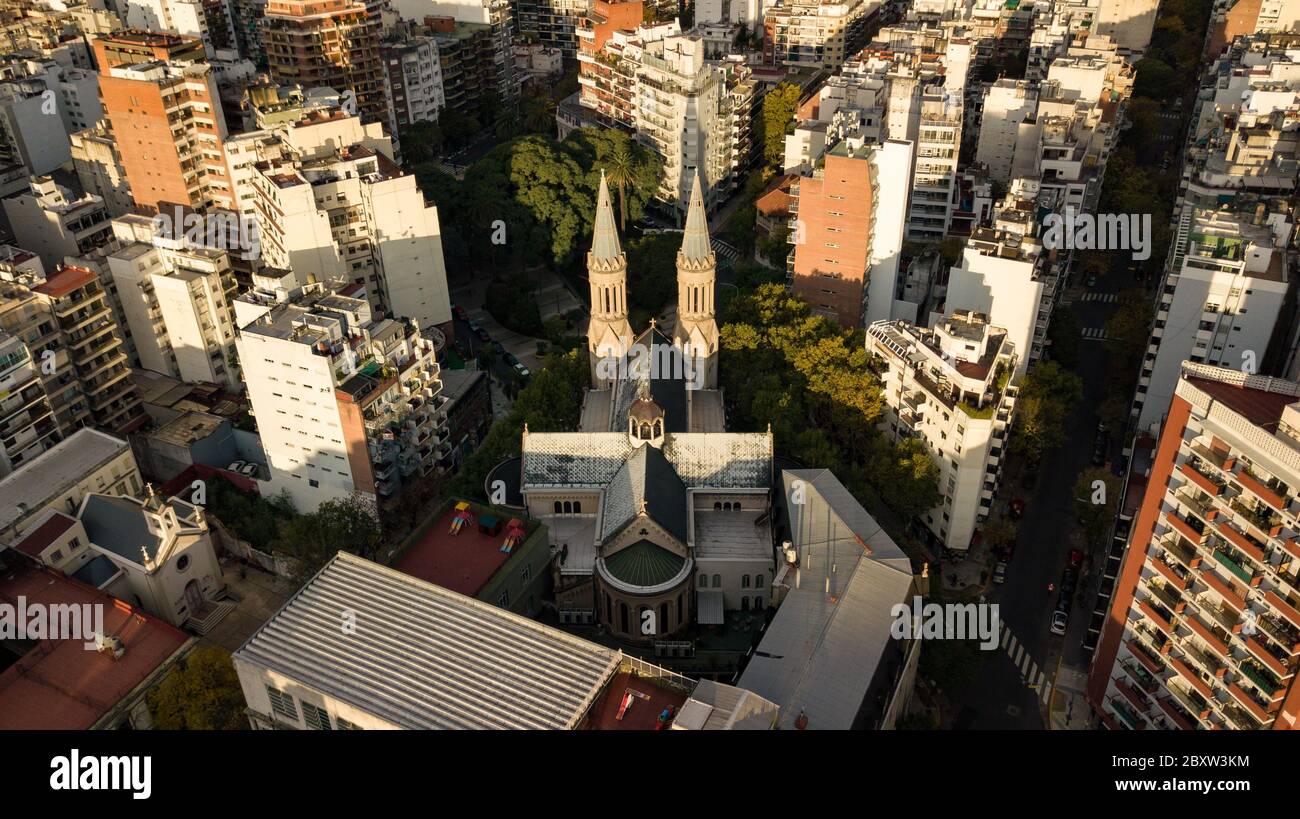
779	106
201	693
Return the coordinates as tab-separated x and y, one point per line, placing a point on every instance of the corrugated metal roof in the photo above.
821	650
709	608
421	656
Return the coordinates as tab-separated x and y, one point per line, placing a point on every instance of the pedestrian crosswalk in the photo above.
1094	334
1104	298
725	250
1033	676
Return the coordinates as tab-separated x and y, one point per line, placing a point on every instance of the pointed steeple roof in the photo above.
604	239
695	241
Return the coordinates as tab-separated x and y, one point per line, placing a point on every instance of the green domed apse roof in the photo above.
644	564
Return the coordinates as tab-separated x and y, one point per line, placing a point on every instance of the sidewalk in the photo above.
1069	709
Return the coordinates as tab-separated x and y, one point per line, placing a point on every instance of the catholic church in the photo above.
660	518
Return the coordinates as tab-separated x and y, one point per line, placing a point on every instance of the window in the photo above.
717	581
316	718
744	581
558	507
313	482
282	703
527	574
182	563
504	600
577	507
56	555
758	581
704	581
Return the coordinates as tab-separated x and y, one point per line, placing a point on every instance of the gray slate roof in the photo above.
424	657
820	652
645	476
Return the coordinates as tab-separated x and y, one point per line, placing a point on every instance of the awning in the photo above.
708	606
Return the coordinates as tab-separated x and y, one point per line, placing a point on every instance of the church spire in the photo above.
604	240
609	336
696	334
696	246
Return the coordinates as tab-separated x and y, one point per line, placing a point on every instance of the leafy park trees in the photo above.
348	524
1047	395
1096	498
815	384
201	693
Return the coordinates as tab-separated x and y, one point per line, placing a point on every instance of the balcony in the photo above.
1234	565
1281	666
1186	528
1174	575
1217	644
1261	678
1266	524
1243	543
1134	697
1152	663
1193	679
1197	708
1224	589
1157	619
1261	490
1176	713
1126	714
1142	679
1208	483
1283	607
1252	706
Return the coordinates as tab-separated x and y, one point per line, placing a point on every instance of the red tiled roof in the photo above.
39	539
59	685
64	281
1260	407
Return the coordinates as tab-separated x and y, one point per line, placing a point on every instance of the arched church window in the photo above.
659	428
558	507
717	506
622	617
704	581
568	507
663	618
744	581
577	507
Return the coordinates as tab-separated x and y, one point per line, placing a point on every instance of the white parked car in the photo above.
1059	619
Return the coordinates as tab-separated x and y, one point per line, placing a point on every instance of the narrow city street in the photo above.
1001	696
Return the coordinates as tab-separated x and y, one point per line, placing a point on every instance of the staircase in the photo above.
207	616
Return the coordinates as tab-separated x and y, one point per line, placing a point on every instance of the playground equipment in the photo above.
464	517
514	535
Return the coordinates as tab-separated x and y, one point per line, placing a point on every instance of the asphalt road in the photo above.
1000	696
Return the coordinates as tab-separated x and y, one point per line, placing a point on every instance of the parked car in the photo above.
1017	508
1100	447
460	313
1000	573
1069	581
1076	558
1059	621
511	359
1092	282
522	370
236	466
483	335
498	348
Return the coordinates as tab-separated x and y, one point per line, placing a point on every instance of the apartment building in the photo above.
552	23
27	425
207	20
954	387
413	81
1006	129
1204	628
176	302
1006	274
164	116
693	112
1223	293
811	34
1240	18
342	209
346	401
99	168
332	43
473	36
49	222
70	314
847	237
31	90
